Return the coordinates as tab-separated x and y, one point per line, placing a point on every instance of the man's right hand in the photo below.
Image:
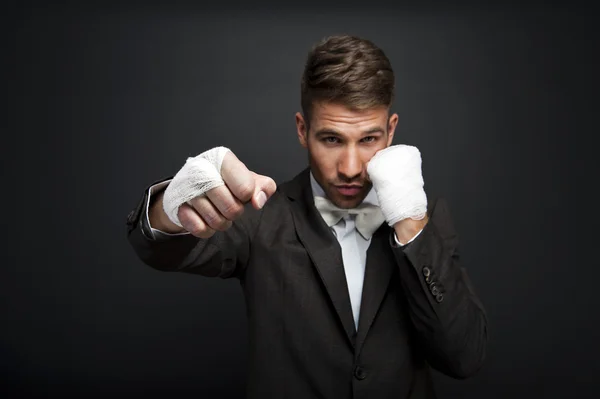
220	206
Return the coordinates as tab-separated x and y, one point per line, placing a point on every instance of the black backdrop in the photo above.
103	100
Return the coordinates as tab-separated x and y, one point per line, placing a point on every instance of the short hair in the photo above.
348	70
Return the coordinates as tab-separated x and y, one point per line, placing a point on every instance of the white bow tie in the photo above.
368	217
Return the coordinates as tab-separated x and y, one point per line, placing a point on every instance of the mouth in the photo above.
348	190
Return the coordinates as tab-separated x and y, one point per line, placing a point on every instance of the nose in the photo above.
350	165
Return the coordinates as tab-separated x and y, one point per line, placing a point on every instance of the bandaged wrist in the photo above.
398	182
197	176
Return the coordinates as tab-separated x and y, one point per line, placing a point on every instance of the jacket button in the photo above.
360	373
426	271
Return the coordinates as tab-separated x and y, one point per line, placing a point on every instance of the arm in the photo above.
204	218
224	255
449	319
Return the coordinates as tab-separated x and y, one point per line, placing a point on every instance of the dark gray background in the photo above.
103	100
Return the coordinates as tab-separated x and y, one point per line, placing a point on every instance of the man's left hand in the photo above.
398	181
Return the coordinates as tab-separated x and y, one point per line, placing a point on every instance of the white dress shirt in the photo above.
353	245
354	248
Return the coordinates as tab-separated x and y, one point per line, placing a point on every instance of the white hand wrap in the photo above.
196	177
398	182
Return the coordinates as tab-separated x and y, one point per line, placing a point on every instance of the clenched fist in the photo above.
398	181
208	193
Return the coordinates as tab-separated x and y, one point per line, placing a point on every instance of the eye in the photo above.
369	139
330	140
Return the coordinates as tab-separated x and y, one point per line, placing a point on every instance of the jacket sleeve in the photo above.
449	319
223	255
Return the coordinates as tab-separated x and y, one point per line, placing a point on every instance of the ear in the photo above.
302	130
392	123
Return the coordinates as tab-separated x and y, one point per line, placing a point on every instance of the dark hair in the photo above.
348	70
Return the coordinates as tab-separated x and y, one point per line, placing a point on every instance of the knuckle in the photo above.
271	186
233	210
267	184
193	223
185	218
194	228
246	190
197	231
182	215
211	218
215	221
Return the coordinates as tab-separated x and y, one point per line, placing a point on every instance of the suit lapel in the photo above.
378	271
322	247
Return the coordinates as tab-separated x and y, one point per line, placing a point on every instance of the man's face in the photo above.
340	143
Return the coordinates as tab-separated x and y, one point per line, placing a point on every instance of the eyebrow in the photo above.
331	132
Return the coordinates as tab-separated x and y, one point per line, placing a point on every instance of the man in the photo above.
351	277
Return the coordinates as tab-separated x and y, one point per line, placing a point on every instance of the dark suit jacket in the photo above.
418	308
